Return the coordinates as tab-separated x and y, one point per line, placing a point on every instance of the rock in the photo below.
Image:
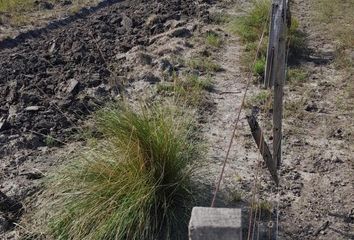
149	77
72	86
44	5
180	32
94	81
121	56
32	108
9	205
127	23
66	2
3	124
311	107
52	48
140	58
152	20
165	66
171	24
4	224
33	175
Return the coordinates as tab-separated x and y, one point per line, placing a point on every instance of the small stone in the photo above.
152	20
142	58
149	77
311	107
181	32
34	175
72	86
121	56
127	23
3	123
52	48
45	5
66	2
32	108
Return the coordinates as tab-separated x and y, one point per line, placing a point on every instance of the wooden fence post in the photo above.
275	70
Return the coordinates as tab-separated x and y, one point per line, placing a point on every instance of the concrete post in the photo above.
215	224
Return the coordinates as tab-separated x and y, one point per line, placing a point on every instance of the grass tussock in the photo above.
131	183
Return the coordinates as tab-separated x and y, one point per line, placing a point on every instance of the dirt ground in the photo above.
39	13
51	83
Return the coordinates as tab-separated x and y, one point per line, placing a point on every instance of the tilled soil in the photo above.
50	83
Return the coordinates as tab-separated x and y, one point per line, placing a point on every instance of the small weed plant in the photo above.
213	39
132	183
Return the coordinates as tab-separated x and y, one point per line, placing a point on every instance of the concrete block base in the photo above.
215	224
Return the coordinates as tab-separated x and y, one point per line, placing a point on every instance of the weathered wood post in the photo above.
275	71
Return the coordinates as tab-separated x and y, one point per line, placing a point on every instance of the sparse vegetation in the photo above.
260	100
338	19
204	64
220	18
23	12
133	183
263	207
294	108
188	89
7	6
50	141
297	76
259	67
250	28
213	39
235	196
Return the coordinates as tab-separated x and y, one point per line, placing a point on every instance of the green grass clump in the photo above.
132	183
213	39
203	64
189	89
259	67
250	26
297	76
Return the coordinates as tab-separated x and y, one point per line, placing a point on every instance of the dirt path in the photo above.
316	193
318	143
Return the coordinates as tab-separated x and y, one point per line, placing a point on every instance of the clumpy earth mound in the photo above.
50	83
